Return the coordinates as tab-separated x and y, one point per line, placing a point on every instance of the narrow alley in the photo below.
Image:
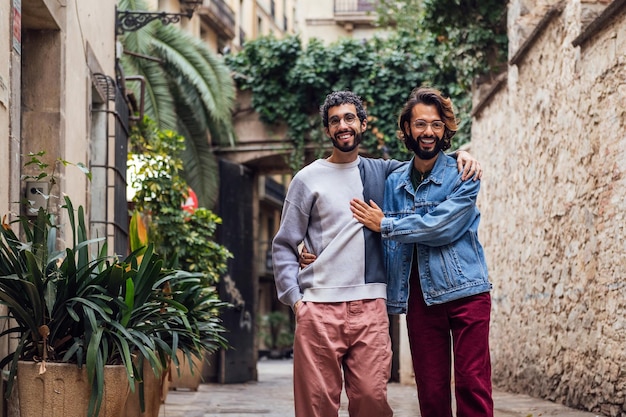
272	396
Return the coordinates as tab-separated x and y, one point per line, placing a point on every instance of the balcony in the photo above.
355	6
350	13
271	191
219	16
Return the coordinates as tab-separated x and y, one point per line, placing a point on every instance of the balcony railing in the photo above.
351	13
274	190
355	6
221	9
219	16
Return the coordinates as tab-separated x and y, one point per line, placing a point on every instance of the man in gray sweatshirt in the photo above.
339	300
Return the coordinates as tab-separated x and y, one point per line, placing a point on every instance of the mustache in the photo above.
341	132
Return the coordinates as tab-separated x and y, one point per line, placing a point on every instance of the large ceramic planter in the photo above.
63	390
155	391
183	378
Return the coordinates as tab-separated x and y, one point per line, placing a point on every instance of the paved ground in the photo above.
271	396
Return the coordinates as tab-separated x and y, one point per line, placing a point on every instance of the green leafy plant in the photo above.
77	305
203	307
71	308
188	90
184	237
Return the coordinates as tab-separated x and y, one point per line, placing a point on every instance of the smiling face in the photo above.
424	141
345	129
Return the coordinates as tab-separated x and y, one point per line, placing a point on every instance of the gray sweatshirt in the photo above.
349	264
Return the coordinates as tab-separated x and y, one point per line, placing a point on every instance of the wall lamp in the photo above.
132	20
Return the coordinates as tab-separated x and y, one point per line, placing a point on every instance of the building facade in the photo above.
58	95
330	20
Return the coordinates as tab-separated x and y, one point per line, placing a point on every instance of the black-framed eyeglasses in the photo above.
349	118
436	125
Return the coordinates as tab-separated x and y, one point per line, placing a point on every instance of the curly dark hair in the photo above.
337	98
432	97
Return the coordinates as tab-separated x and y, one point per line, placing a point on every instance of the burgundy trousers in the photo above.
349	338
459	328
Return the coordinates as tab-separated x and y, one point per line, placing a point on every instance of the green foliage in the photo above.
289	83
78	305
267	67
456	42
185	239
156	167
188	89
203	307
469	35
70	307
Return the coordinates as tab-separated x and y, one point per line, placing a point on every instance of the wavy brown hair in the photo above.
431	97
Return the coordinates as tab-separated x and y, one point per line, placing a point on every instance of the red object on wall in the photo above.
17	25
191	203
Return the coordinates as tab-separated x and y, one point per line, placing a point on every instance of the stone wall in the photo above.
552	140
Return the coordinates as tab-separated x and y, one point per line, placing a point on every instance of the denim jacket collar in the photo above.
436	174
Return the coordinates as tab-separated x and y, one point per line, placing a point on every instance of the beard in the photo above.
358	137
413	145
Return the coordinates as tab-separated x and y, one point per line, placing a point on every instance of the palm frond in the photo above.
139	60
193	68
159	103
205	69
201	169
189	90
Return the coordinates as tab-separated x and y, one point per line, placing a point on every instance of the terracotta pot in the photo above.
63	390
184	378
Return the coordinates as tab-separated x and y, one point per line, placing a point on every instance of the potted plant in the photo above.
184	235
76	305
276	334
203	306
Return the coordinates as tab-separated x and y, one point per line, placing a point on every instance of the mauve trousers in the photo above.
352	337
461	327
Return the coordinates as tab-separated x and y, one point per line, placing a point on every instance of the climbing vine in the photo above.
464	38
457	42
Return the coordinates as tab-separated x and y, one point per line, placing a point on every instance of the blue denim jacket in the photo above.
441	217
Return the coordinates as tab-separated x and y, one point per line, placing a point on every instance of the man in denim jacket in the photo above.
436	267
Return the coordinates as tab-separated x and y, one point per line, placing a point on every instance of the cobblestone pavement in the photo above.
271	396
